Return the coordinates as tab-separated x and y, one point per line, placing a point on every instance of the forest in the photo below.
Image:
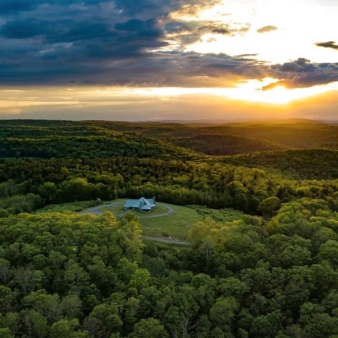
271	272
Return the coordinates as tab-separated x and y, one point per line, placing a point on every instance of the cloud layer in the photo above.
329	44
267	29
130	42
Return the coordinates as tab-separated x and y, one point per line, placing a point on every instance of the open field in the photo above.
176	224
175	221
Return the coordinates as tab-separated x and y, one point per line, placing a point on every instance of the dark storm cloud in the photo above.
267	29
302	73
62	31
17	6
9	6
149	28
53	42
301	65
329	44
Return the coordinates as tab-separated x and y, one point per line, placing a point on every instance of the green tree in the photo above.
67	328
149	328
269	206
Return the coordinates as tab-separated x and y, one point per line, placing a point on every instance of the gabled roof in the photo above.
142	203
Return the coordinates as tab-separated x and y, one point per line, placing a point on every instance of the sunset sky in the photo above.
169	59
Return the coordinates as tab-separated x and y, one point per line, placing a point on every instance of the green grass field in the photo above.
175	224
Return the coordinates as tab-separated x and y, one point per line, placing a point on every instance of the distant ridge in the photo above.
239	121
190	122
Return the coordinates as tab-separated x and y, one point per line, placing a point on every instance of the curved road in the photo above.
97	211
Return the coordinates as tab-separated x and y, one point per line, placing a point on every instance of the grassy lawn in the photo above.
175	224
159	210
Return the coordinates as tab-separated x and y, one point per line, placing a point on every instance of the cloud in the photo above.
267	29
329	44
246	55
10	6
21	29
163	7
302	73
134	43
220	31
149	28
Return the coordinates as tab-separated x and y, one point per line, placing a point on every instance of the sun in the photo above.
251	91
279	95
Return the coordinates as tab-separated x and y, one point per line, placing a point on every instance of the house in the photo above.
142	204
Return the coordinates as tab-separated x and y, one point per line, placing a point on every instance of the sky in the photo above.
138	60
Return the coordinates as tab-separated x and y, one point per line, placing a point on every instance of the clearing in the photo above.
167	218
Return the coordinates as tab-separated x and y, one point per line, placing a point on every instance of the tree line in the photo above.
216	185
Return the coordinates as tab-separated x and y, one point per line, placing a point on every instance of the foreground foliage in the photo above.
65	275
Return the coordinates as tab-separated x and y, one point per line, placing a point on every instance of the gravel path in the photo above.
97	211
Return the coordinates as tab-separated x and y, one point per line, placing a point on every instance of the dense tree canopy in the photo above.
268	271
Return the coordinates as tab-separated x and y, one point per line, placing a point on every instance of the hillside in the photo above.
225	144
63	139
46	139
252	136
299	163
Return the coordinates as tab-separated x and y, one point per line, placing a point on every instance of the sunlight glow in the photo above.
295	36
249	91
246	91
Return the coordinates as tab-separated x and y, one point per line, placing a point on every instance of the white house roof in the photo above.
141	203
